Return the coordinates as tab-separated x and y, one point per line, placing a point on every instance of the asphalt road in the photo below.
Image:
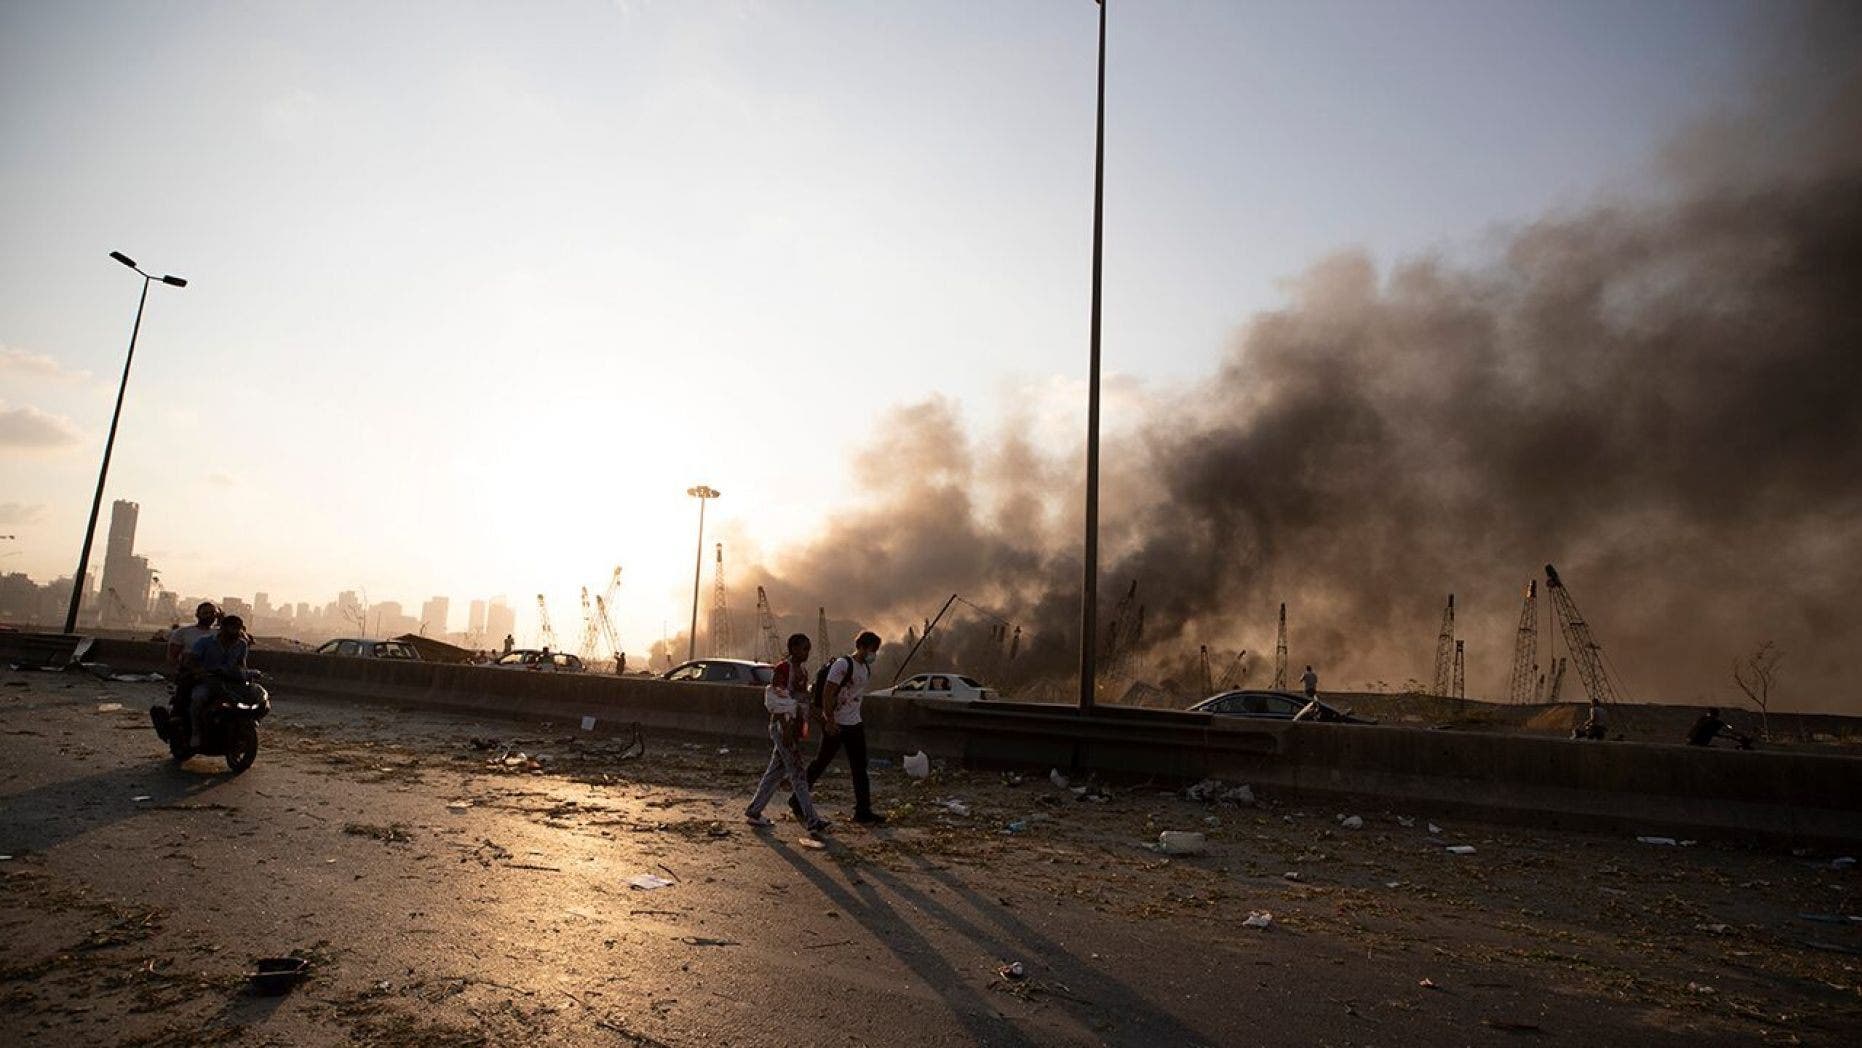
447	893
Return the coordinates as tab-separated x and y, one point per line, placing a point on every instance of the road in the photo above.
452	892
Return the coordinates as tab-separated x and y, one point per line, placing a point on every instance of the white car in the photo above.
937	686
357	648
538	661
723	671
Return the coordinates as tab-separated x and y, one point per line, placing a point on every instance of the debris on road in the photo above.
459	807
917	765
109	707
1013	970
647	882
1426	983
1181	842
812	844
1258	919
1665	841
1461	849
1353	822
274	976
954	806
588	724
1058	779
1212	790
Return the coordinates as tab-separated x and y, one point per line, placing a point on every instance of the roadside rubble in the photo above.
1212	790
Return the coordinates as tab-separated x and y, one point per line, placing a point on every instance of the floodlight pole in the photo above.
1089	602
109	444
703	494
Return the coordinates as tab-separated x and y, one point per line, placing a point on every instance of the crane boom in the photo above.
1584	648
546	633
1526	648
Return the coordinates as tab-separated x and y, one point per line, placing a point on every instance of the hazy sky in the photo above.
479	289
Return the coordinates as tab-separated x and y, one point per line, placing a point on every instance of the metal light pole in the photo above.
703	494
90	530
1089	603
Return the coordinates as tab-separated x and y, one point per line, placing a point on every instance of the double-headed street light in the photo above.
103	471
703	494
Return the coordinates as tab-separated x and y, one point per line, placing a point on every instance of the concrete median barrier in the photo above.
1761	796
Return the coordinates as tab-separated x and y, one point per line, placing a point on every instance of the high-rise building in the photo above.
125	576
475	619
433	616
500	622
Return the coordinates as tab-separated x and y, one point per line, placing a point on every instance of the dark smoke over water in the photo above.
1662	399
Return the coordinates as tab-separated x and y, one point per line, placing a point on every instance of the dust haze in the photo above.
1661	398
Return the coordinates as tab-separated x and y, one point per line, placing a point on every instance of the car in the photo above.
722	671
940	685
537	661
358	648
1274	705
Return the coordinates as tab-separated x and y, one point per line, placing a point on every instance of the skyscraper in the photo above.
475	621
433	616
125	575
500	622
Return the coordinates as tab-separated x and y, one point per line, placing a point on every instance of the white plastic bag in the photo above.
917	765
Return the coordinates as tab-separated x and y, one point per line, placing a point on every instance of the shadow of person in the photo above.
50	814
916	951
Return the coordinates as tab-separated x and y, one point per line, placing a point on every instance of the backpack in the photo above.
821	680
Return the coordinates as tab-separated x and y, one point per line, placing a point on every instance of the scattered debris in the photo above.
699	940
1405	821
1714	929
1702	989
1843	863
1352	822
588	724
954	806
1212	790
1511	1026
138	678
394	833
1461	849
1181	842
812	844
484	744
1290	875
109	707
917	765
724	751
1664	841
1427	984
459	807
647	882
1018	826
1058	779
1434	830
1012	970
273	976
139	798
1258	919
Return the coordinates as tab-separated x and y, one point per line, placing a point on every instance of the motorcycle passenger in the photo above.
214	661
181	640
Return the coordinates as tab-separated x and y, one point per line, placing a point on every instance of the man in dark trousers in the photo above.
846	681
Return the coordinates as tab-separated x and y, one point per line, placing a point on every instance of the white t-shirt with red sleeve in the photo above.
852	675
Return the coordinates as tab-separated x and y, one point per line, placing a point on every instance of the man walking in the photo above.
784	697
1311	682
846	681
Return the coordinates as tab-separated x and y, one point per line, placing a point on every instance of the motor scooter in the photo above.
230	728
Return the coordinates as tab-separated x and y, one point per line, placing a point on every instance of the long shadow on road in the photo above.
42	817
1094	998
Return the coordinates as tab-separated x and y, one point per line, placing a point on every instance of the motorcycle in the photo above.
230	726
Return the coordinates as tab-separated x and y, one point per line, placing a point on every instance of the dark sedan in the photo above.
1275	705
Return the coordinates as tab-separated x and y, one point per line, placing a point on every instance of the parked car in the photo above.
722	671
538	661
1274	705
357	648
944	685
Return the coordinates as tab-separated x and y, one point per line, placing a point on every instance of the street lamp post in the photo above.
103	471
703	494
1089	603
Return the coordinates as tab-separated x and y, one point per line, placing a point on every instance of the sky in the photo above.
478	290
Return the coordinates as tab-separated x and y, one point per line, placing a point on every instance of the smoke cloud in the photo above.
1662	398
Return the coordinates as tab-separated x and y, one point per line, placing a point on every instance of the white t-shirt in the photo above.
186	636
852	687
1311	680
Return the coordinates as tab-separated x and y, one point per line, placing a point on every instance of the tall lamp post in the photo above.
103	471
703	494
1089	603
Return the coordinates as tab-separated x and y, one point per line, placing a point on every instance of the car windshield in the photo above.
971	682
765	674
513	659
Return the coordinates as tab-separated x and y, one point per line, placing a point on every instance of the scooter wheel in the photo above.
242	745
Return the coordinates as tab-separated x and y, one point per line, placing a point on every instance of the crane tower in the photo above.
1526	648
546	633
1280	653
1584	648
1445	651
722	644
1461	672
766	625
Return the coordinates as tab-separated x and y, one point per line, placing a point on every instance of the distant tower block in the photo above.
1523	686
1445	651
722	644
1280	653
1461	672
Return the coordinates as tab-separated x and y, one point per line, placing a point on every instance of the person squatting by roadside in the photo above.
785	698
841	686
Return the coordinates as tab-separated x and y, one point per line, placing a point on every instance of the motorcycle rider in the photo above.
214	660
181	640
